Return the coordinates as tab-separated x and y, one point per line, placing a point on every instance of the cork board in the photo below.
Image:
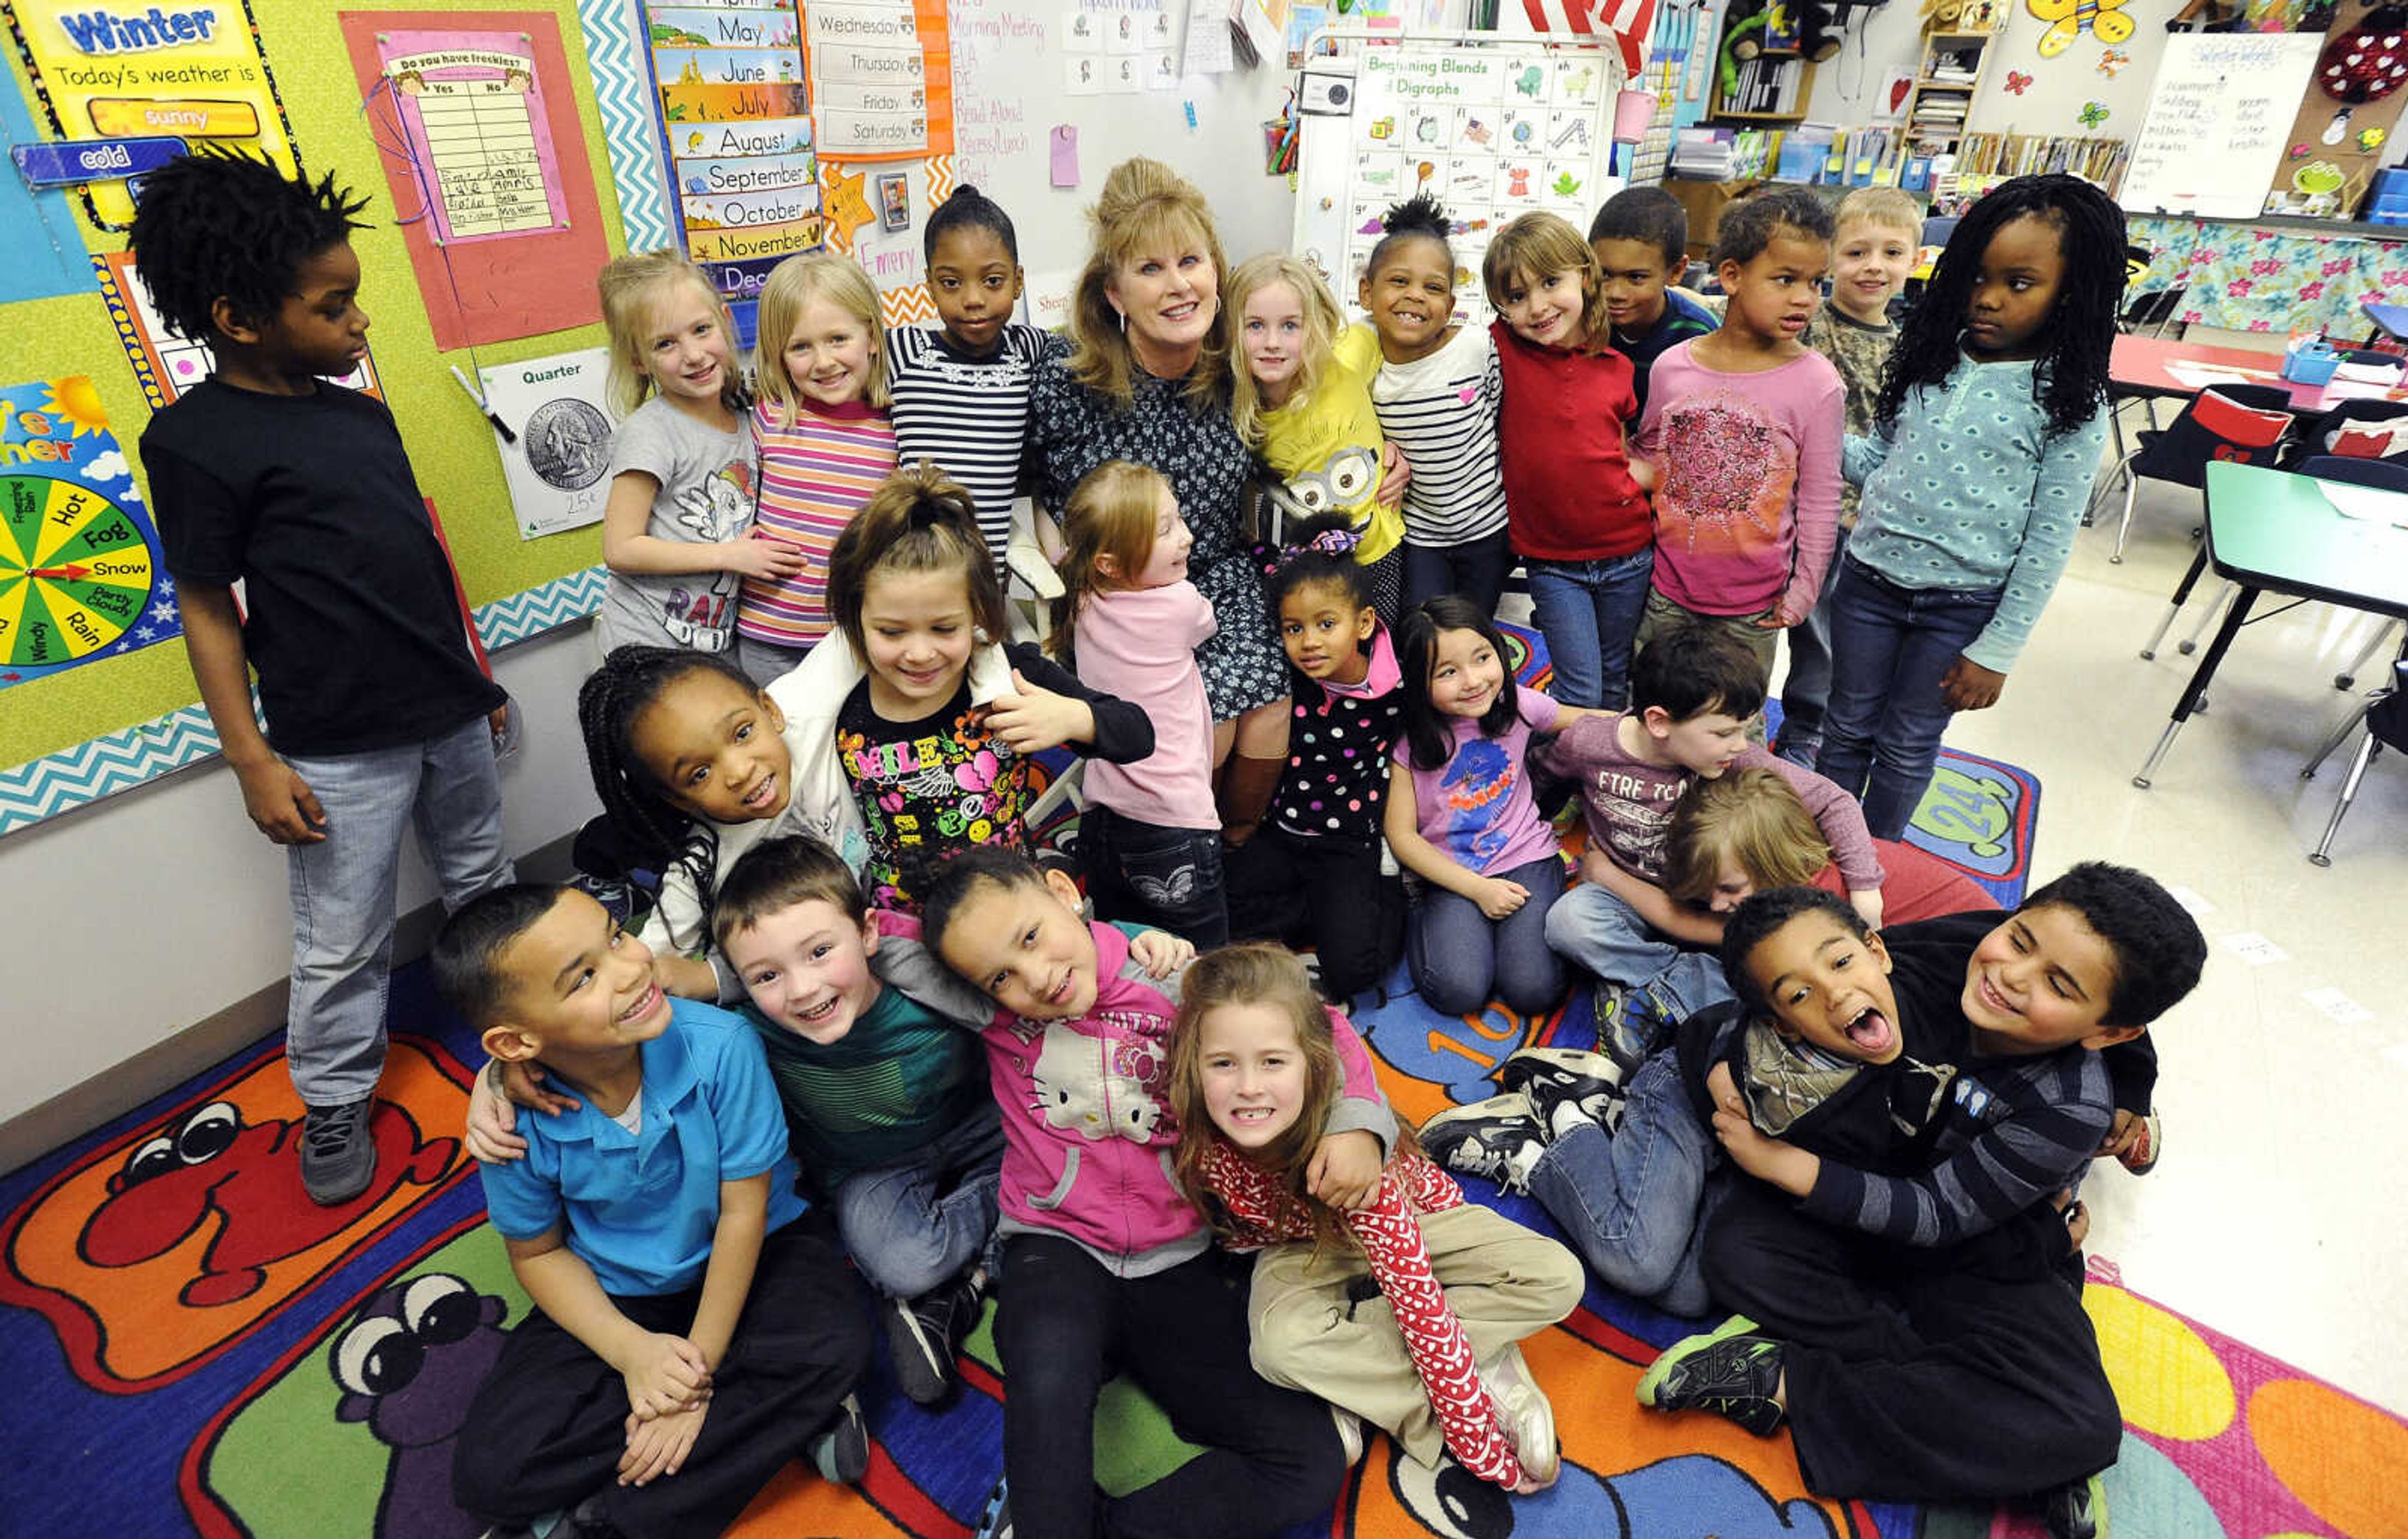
55	730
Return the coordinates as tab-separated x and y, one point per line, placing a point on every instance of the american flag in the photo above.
1628	20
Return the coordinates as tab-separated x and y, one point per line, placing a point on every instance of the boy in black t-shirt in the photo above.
377	714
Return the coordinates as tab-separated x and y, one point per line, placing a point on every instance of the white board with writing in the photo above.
2218	111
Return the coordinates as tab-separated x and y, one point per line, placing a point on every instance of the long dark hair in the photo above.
1430	740
2072	378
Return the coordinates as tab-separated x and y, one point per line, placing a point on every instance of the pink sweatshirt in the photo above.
1747	496
1140	645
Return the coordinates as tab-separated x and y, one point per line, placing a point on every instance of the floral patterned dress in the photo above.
1073	429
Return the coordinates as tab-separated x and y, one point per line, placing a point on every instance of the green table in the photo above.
2273	532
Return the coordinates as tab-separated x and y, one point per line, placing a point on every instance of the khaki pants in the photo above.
1662	615
1503	1281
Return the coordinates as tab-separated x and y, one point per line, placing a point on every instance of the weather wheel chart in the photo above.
80	572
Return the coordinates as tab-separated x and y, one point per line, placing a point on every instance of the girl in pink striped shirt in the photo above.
1255	1061
827	443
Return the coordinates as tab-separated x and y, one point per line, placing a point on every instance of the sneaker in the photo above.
338	1154
1729	1370
1499	1138
2142	1157
1529	1420
1565	1087
922	1335
1625	1031
2076	1510
1350	1434
840	1452
996	1521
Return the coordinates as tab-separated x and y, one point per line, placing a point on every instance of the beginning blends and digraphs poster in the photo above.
1492	133
80	577
120	71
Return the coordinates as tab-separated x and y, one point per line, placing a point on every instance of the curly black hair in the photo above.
2159	951
1418	218
2072	378
220	224
1759	917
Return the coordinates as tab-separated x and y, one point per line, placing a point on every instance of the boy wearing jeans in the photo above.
1871	254
688	1335
379	718
1693	690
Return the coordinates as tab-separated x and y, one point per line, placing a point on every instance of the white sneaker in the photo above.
1350	1434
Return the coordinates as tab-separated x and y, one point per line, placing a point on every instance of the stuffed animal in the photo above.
1748	22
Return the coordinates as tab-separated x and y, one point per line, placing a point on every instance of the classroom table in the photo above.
2389	321
2137	368
2274	532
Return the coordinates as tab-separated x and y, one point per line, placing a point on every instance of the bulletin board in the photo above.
69	739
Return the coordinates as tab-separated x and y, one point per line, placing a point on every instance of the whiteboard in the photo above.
2219	110
1013	75
1493	128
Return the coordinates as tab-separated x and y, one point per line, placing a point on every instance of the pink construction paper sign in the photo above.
472	107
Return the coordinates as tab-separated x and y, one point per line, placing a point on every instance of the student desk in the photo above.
2271	531
2137	368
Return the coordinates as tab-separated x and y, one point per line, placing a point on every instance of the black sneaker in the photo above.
1499	1138
2076	1510
1729	1370
1625	1030
1565	1087
921	1335
337	1155
840	1450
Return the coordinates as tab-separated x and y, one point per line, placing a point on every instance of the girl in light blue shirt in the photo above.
1988	430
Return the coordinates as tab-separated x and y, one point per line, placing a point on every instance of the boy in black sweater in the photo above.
1923	1332
378	714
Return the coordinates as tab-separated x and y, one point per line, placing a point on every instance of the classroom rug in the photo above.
192	1348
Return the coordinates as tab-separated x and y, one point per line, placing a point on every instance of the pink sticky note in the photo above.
1065	152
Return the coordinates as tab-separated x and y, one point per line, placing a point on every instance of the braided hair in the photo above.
1320	550
2071	380
609	703
220	224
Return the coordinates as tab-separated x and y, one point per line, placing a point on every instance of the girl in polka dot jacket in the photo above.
1985	441
1313	874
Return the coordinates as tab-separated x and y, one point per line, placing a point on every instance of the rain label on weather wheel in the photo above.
74	571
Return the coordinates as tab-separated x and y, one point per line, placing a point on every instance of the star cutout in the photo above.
847	208
145	633
163	612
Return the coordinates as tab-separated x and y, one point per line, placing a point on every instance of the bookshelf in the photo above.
1947	74
1772	88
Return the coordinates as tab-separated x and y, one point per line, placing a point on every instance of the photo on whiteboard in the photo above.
894	202
558	472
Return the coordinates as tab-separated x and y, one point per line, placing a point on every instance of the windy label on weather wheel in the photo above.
79	574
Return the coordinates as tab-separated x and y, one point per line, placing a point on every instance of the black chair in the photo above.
2334	433
2240	423
2385	718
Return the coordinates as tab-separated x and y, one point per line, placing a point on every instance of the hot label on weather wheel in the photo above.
75	573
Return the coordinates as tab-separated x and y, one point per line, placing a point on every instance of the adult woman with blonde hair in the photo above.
1149	382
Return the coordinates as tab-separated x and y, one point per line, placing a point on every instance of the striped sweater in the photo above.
1441	412
969	415
815	474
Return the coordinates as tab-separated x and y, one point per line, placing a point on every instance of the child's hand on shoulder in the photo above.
763	557
1498	898
1160	953
1345	1170
659	1446
491	1133
664	1374
1967	686
1032	720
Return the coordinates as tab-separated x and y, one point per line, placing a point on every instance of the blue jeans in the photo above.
344	893
1462	959
1806	692
1890	646
1475	570
1168	877
1598	933
1628	1200
915	1225
1588	611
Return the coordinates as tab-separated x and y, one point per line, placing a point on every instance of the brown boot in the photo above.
1243	794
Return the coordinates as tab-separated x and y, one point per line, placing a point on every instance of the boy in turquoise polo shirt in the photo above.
641	1224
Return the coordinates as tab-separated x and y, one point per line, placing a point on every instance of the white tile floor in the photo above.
2275	1214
